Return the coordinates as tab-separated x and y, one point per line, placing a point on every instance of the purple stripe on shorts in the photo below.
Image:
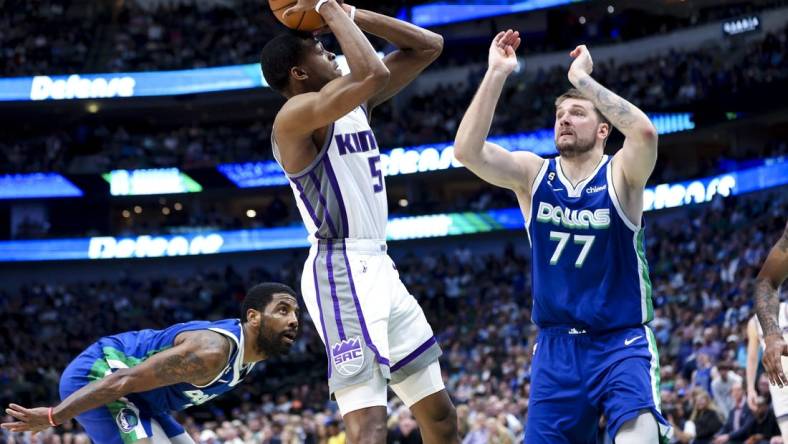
334	297
308	206
414	354
332	177
322	201
360	314
320	310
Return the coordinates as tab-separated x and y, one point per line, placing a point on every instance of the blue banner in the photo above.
108	247
131	84
399	228
435	157
677	194
443	13
138	84
36	185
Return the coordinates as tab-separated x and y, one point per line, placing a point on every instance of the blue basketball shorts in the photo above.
576	376
121	421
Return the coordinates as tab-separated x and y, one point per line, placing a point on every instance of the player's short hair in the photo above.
280	54
259	296
574	93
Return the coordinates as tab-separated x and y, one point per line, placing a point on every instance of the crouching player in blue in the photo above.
584	219
123	388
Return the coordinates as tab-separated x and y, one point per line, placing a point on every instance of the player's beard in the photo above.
270	343
576	148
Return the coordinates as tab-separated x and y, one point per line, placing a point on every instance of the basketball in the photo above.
301	21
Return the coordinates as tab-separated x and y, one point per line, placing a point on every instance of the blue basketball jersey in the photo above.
588	260
131	348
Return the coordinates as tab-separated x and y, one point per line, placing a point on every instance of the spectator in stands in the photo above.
722	386
479	433
334	434
739	415
403	429
704	421
760	427
701	377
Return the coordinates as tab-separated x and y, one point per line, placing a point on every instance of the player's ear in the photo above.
253	317
298	73
603	130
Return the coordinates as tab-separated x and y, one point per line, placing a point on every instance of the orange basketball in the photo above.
307	21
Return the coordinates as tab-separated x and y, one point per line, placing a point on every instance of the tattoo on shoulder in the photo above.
213	340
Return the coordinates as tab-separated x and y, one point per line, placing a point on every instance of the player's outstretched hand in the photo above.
775	349
29	420
582	63
502	51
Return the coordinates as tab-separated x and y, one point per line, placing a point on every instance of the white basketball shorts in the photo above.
364	314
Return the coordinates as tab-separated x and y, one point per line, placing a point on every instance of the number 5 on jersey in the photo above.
563	238
374	169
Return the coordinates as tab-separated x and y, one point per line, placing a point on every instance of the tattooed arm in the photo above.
767	303
196	357
639	153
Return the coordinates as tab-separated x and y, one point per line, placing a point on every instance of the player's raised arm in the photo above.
773	273
487	160
416	49
304	113
639	153
196	359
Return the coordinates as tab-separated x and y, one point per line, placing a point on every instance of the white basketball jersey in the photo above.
342	194
782	322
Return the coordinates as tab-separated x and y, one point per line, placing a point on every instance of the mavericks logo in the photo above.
597	219
348	356
127	419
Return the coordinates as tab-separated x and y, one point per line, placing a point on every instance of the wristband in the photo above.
352	13
319	4
51	420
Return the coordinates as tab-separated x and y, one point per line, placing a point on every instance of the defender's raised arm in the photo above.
639	153
487	160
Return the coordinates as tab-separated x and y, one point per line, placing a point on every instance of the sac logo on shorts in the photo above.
127	420
348	356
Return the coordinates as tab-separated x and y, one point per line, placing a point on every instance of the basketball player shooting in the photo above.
374	331
773	322
591	289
